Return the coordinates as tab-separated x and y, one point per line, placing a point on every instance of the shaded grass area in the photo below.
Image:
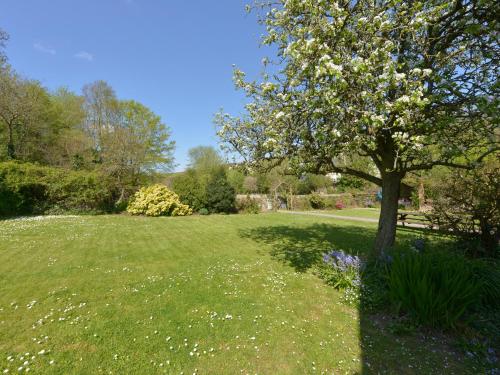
216	295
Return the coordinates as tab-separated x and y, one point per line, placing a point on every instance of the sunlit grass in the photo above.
217	294
371	213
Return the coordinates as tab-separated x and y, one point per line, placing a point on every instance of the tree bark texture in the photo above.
386	233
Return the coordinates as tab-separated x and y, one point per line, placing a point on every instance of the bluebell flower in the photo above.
342	261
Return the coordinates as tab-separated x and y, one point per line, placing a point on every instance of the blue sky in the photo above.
173	56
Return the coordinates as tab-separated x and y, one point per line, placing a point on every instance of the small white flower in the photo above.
399	76
334	68
403	99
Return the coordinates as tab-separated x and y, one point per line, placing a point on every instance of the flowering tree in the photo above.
406	84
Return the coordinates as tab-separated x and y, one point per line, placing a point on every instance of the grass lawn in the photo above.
212	295
371	213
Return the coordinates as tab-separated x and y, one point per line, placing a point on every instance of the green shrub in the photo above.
27	188
81	191
248	205
349	183
210	190
435	288
157	200
191	189
301	203
317	201
203	211
10	200
121	206
349	201
23	188
221	197
375	294
487	272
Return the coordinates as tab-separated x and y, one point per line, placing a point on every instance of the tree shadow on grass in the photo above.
382	351
302	247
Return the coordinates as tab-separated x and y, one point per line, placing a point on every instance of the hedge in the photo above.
27	189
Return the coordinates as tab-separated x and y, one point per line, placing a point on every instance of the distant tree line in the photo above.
122	141
210	183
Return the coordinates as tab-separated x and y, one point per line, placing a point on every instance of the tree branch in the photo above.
444	163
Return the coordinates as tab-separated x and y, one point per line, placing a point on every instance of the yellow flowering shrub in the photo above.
157	200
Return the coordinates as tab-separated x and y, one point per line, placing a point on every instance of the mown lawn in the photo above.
208	295
371	213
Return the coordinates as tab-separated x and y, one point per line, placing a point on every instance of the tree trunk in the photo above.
386	233
122	196
421	196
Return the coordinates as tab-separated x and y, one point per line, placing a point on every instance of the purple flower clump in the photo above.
342	261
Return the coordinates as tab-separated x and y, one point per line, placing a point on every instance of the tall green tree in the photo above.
236	178
28	122
139	143
204	159
130	142
73	146
102	112
408	84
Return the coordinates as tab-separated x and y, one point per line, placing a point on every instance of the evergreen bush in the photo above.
221	197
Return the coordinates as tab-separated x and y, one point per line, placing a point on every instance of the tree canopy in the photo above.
407	85
204	158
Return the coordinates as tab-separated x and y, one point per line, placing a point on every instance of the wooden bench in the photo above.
415	217
432	221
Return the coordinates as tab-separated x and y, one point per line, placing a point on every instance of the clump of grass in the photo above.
436	288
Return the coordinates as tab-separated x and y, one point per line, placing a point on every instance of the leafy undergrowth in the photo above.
206	295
